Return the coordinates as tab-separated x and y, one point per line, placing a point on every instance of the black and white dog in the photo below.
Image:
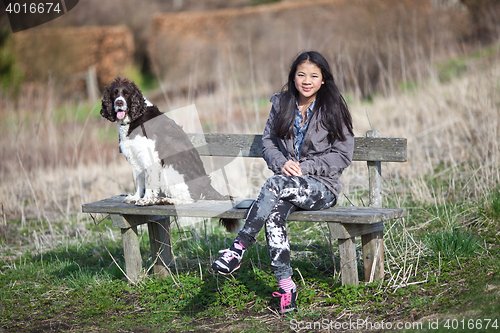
168	168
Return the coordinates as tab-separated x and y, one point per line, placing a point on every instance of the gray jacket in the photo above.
320	159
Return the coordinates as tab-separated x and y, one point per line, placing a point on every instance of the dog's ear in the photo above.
107	110
138	106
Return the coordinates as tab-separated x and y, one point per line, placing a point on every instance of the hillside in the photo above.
372	46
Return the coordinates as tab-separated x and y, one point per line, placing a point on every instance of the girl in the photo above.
308	141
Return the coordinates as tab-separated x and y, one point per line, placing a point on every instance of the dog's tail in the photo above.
210	193
231	225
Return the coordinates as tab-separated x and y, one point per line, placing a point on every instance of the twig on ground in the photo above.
303	281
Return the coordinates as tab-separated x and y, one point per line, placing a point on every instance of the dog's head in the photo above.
122	102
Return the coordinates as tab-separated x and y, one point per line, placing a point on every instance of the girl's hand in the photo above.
292	168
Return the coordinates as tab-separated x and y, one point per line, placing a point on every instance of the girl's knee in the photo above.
276	182
273	180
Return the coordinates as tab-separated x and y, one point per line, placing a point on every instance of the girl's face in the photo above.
308	80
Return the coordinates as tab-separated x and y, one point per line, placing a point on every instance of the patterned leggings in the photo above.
278	198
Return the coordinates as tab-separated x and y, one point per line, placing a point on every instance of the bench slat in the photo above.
250	145
219	209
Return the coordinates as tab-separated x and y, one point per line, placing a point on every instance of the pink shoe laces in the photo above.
286	299
229	254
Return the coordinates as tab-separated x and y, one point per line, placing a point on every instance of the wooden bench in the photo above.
345	222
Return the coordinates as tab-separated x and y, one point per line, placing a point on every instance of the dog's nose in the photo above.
119	102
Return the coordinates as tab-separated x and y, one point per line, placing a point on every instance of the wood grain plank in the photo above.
250	145
219	209
349	230
348	262
160	243
132	253
373	255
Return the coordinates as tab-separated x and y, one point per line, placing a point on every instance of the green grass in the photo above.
262	2
11	75
452	68
453	243
490	206
456	67
146	81
79	113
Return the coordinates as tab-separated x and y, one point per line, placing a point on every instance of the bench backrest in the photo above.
250	145
373	149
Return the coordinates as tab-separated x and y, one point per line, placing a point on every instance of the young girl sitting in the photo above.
308	141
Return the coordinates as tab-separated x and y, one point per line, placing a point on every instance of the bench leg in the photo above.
132	251
373	255
348	261
128	225
373	243
161	249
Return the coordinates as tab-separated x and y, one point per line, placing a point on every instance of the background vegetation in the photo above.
60	270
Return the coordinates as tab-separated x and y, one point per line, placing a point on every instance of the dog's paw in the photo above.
165	201
131	199
145	202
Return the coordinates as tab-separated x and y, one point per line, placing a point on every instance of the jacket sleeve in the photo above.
271	144
332	161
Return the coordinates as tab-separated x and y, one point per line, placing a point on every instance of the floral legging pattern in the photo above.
278	198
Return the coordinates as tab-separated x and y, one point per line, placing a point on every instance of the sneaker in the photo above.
288	300
229	261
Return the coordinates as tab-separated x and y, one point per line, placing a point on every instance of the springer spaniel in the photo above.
168	168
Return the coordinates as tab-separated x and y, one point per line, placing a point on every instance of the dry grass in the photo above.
452	132
52	156
369	44
68	53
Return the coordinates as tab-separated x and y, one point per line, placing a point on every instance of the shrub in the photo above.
453	243
10	74
491	206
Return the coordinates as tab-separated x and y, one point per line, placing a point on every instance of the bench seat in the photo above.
345	223
224	209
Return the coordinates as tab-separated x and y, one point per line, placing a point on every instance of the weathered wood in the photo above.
375	177
250	145
348	261
349	230
124	221
132	253
92	85
380	149
210	144
219	209
161	248
373	243
373	255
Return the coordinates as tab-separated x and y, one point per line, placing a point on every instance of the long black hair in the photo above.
332	106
